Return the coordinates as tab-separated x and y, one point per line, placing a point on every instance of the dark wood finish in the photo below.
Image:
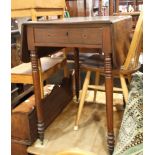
21	95
75	10
134	3
106	24
121	41
52	105
15	48
109	100
23	127
111	7
24	122
107	48
71	35
72	8
18	149
36	82
76	59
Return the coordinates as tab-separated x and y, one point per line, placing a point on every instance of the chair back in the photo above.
132	59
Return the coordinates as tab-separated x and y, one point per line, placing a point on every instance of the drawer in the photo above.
68	36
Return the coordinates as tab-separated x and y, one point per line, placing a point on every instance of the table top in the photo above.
85	32
83	20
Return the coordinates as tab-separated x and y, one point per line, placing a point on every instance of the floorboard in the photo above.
90	137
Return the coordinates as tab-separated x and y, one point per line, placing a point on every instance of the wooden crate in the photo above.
24	117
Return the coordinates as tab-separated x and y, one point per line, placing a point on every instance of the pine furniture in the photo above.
36	8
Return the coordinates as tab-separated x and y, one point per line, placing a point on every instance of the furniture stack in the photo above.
25	115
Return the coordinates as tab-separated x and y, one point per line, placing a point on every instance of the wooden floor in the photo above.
90	137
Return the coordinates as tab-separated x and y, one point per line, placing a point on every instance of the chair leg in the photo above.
97	79
66	71
83	95
41	80
124	87
33	15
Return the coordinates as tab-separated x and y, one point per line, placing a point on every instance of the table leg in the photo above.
109	101
76	59
37	91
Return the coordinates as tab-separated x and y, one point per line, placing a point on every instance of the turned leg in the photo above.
76	59
82	100
109	100
37	91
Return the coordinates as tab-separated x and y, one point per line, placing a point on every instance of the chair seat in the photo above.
49	67
46	63
82	56
96	63
93	63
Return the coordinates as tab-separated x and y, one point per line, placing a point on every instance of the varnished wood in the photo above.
18	149
76	59
72	35
109	100
106	24
36	82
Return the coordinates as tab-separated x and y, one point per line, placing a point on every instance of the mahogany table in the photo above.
110	33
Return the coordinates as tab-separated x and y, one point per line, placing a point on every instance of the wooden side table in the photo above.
87	32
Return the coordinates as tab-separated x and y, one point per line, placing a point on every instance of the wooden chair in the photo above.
35	8
95	64
47	66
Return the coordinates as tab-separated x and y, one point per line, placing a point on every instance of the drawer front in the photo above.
69	36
